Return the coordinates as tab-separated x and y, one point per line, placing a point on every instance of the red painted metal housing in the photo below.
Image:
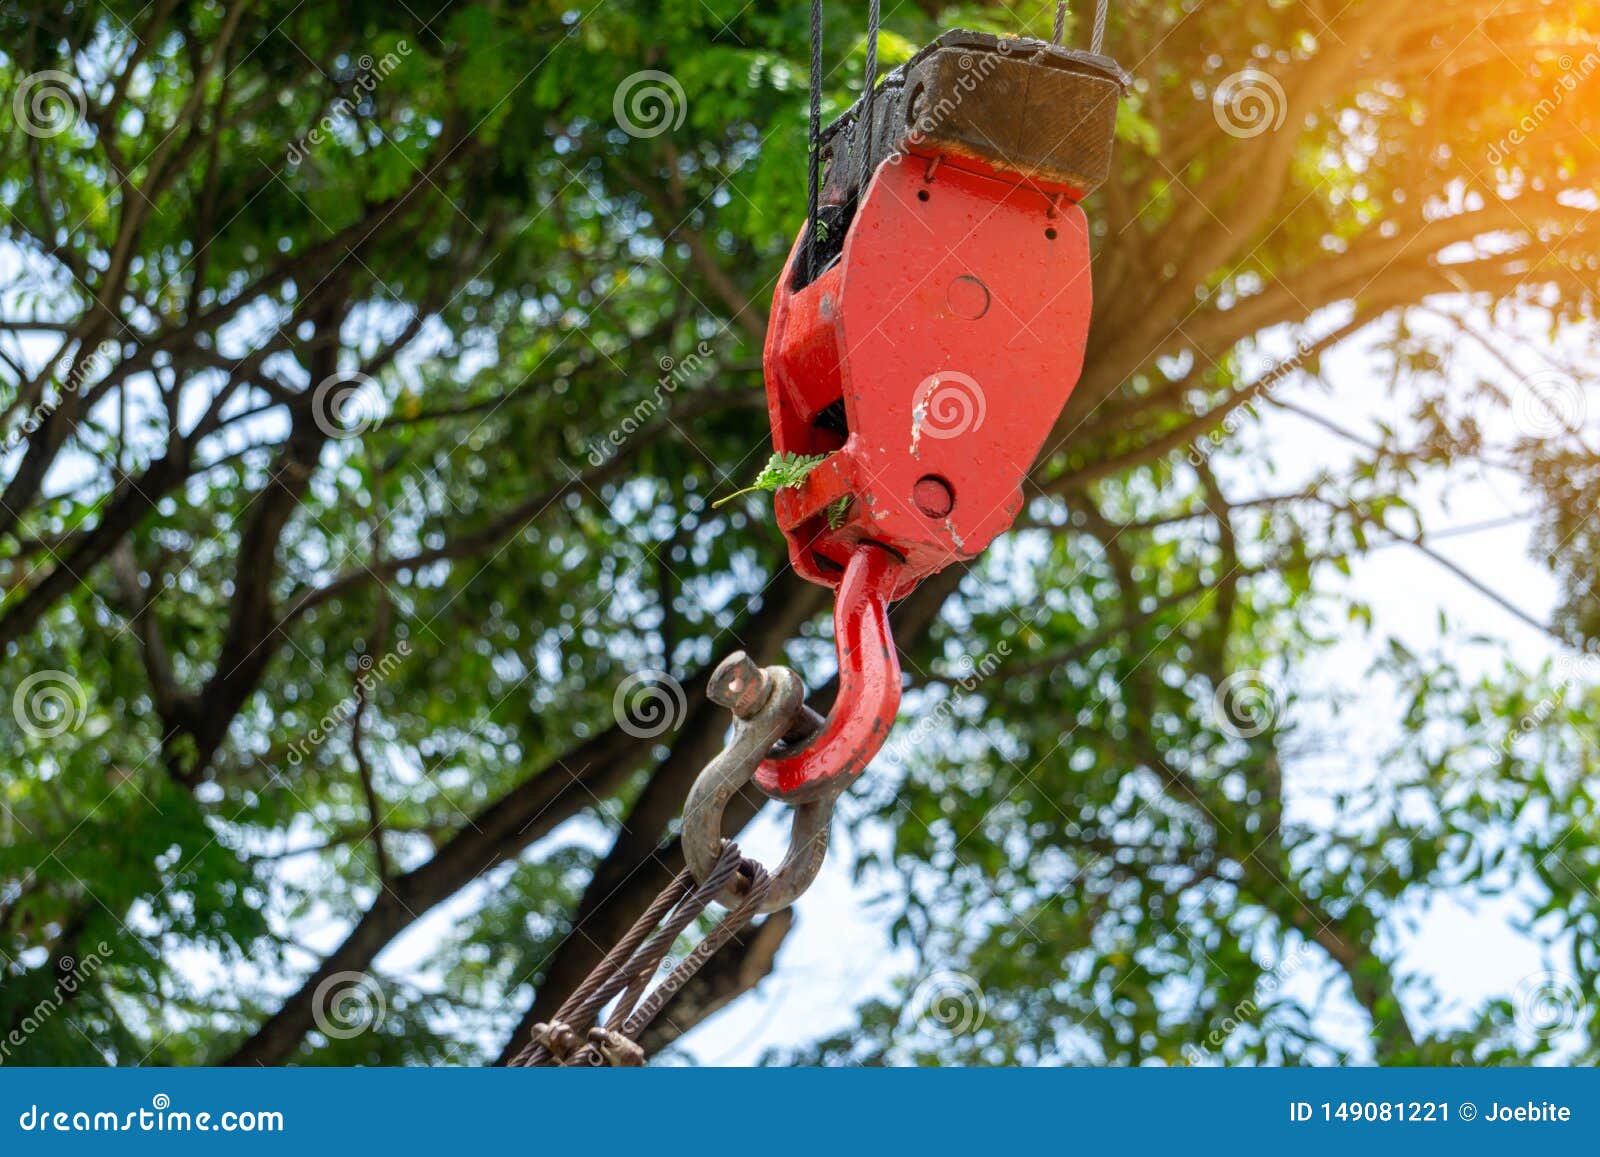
952	331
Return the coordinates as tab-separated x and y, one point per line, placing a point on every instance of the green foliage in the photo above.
358	690
781	470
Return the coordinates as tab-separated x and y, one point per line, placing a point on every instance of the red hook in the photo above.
869	687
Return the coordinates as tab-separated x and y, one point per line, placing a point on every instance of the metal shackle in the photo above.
767	705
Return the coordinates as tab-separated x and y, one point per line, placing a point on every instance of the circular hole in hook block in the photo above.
967	297
1050	234
932	495
922	194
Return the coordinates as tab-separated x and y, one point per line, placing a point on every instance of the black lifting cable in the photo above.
870	73
814	158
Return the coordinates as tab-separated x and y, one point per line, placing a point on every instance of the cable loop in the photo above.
1097	37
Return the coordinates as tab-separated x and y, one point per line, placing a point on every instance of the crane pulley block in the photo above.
927	337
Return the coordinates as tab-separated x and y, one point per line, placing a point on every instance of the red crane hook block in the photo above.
944	328
927	340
